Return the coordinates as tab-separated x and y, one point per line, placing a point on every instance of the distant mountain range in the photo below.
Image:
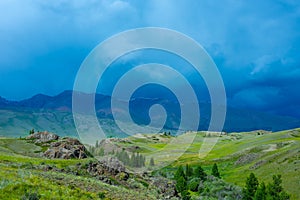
54	113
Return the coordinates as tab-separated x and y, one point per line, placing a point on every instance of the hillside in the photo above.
26	174
26	170
237	155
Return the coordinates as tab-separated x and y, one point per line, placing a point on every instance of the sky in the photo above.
255	44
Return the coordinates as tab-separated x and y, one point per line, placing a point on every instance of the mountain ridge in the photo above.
43	112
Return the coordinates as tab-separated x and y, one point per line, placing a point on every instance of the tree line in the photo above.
254	190
188	180
135	160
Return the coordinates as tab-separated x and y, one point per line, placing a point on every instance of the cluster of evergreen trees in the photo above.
135	160
97	150
189	179
273	191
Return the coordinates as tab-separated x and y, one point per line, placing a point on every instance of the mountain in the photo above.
54	113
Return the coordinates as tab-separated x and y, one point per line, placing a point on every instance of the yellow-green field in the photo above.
21	174
238	154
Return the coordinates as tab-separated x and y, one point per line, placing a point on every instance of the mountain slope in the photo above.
44	112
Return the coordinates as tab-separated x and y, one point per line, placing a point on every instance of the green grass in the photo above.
21	174
278	152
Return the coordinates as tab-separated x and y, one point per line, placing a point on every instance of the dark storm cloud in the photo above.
255	44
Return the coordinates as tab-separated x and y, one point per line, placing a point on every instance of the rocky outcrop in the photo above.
106	168
62	148
112	165
42	137
66	148
165	187
247	158
109	164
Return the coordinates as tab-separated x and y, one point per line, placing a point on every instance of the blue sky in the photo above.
255	44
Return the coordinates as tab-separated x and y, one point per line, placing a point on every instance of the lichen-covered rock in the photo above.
112	165
108	166
66	148
42	137
166	187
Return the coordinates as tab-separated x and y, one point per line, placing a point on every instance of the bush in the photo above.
193	185
185	195
101	195
181	184
30	196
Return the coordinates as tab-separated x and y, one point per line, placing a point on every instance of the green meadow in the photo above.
22	166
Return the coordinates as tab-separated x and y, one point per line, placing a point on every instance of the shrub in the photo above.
193	185
101	195
30	196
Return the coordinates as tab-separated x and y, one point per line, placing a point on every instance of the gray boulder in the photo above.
66	148
42	137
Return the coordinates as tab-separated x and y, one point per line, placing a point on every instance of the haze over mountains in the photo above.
54	113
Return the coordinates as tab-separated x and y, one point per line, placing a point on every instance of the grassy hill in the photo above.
24	171
237	155
26	174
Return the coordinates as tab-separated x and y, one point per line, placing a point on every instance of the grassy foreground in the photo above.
23	175
237	155
23	171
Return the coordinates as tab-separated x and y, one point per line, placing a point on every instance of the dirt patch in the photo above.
247	158
272	147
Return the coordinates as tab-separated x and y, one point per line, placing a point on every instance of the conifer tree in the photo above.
179	173
215	171
260	193
181	184
152	162
188	171
199	173
275	189
250	188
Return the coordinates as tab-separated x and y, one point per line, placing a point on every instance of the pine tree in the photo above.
101	152
250	188
260	193
215	171
188	171
152	162
199	173
181	184
133	161
275	189
179	173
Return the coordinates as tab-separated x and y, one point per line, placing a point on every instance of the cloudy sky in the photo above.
255	44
